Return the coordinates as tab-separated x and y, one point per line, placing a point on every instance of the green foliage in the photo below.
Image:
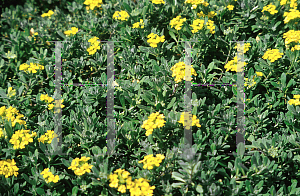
268	162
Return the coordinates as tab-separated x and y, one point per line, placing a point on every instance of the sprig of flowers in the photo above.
154	39
73	30
195	3
21	138
48	14
295	101
155	120
270	8
91	4
179	71
94	45
177	22
80	166
233	65
8	168
272	55
195	121
11	92
121	15
149	161
48	176
12	114
32	68
139	24
246	46
47	137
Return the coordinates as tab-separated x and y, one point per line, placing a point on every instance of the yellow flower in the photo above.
272	55
121	15
177	22
179	71
230	7
158	1
197	25
11	92
246	47
73	30
91	4
154	39
270	8
49	14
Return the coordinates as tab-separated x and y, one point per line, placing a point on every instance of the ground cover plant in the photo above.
149	87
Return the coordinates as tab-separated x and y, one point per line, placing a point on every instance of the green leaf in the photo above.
251	110
210	67
16	188
283	79
199	188
172	35
75	190
170	45
171	103
40	191
178	176
240	149
292	81
127	7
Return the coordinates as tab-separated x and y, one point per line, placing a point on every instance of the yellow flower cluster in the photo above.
51	106
11	92
33	67
48	176
210	25
195	3
295	101
246	47
297	47
48	14
47	137
49	100
177	22
179	71
272	55
11	114
158	1
46	98
230	7
94	45
121	15
293	3
155	120
80	166
21	138
233	65
291	36
197	25
195	121
270	8
149	161
118	179
211	14
154	39
259	74
91	4
73	30
8	168
140	187
138	24
250	84
292	15
273	151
